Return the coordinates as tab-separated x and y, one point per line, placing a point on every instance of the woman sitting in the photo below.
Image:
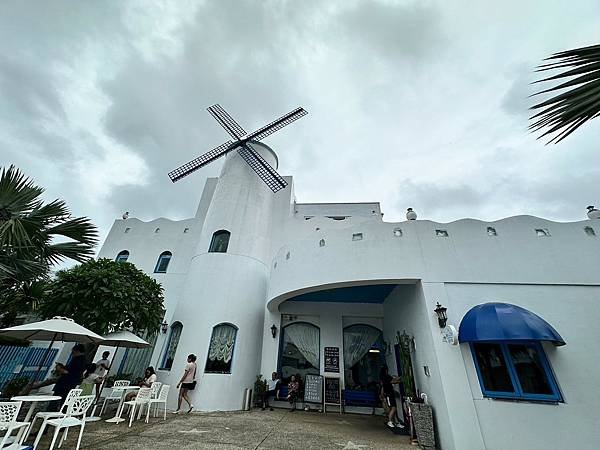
149	379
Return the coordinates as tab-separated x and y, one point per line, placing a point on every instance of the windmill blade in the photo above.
262	168
277	124
200	161
226	121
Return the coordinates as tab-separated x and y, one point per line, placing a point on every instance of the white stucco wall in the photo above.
275	254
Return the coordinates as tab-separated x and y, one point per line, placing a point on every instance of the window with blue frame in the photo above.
171	348
163	262
514	370
122	256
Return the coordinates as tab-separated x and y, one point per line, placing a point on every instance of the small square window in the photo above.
157	230
185	230
357	236
322	243
287	255
441	233
397	232
491	231
542	232
127	230
589	231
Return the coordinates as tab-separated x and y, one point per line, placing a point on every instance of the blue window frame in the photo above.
122	256
163	262
171	349
514	370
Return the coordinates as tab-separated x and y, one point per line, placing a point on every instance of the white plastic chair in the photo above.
155	388
161	398
8	421
44	416
73	417
114	395
143	397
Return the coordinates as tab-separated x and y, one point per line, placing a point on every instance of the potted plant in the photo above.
260	387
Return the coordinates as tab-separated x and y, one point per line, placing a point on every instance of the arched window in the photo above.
219	242
169	355
163	262
300	350
364	352
220	351
122	256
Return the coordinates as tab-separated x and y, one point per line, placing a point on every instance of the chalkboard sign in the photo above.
332	359
332	391
313	389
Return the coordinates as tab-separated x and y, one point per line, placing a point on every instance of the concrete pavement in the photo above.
279	429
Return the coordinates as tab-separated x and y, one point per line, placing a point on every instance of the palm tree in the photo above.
564	113
34	236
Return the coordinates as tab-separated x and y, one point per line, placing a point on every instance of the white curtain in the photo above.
306	339
222	342
358	340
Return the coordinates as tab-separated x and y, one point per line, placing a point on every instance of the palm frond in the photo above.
79	229
18	194
562	114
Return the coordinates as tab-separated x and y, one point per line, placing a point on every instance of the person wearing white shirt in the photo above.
102	366
149	379
272	389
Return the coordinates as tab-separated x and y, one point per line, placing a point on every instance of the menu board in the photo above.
332	391
332	359
313	389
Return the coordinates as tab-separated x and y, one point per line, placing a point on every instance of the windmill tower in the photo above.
227	280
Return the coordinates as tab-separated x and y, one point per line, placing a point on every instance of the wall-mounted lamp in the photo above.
274	331
374	350
441	314
164	327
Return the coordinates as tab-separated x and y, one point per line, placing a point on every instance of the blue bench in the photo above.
360	398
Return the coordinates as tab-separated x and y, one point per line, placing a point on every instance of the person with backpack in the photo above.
187	383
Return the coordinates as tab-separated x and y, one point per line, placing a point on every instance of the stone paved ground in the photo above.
279	429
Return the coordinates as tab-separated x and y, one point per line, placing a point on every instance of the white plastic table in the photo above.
33	399
123	389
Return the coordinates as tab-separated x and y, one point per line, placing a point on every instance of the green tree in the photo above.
105	296
34	236
564	113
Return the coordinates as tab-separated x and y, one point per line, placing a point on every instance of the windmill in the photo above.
243	145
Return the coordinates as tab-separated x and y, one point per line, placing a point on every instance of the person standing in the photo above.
70	375
272	389
389	395
187	383
102	366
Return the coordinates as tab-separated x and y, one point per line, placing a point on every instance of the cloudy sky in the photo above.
411	103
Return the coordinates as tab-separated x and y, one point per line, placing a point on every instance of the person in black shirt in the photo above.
70	375
389	395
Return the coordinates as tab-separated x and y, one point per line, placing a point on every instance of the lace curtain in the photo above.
358	340
306	339
222	342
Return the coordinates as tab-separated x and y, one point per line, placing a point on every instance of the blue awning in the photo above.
505	322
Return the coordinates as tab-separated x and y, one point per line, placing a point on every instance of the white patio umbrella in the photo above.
55	329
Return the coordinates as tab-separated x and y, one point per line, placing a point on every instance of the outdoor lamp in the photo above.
274	331
164	327
441	313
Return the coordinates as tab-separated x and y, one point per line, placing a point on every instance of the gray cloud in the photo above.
410	103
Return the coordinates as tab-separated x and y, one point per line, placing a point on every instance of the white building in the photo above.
252	262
